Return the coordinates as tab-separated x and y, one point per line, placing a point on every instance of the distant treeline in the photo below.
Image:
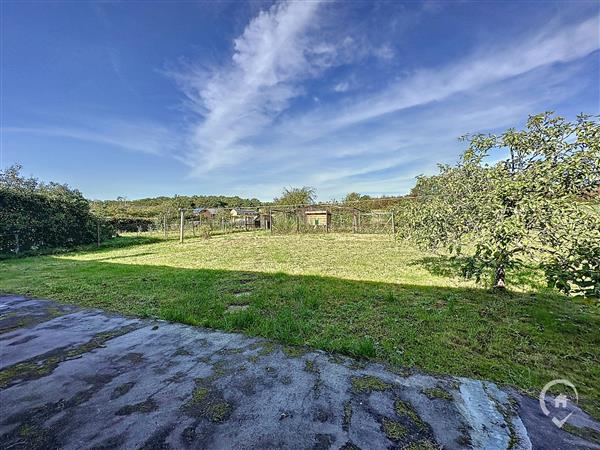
153	208
134	215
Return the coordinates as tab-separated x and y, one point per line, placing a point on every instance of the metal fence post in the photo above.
182	212
98	232
16	242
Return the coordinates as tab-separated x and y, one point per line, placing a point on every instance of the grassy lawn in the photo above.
362	295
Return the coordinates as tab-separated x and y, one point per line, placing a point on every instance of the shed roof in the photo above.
244	211
210	210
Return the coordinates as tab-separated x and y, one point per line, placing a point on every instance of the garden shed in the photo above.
320	217
245	218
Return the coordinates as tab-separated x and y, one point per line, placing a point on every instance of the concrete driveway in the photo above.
78	378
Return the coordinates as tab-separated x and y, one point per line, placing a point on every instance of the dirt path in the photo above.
74	378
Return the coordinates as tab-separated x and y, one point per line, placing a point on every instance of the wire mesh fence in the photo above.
283	219
374	217
43	238
330	219
10	243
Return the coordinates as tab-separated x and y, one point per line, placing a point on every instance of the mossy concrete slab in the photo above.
85	379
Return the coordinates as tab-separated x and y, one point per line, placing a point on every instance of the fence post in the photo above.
98	232
165	224
297	220
394	224
16	243
181	223
271	221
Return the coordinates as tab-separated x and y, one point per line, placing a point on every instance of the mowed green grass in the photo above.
362	295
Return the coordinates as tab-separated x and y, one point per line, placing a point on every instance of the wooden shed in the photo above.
206	213
317	218
246	218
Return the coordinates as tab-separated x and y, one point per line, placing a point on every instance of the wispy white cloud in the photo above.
246	115
342	86
384	52
240	99
384	157
489	65
144	137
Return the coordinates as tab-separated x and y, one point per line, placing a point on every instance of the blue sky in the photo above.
140	99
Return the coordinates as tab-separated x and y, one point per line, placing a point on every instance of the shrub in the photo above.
43	215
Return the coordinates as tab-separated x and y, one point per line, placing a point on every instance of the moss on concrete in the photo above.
358	364
27	370
583	432
347	419
294	351
464	438
11	321
369	383
507	413
267	348
199	394
146	406
395	431
311	367
403	409
438	392
133	358
33	436
121	390
207	403
349	446
424	444
181	351
44	365
218	412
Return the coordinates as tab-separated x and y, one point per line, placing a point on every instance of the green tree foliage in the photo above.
44	215
538	201
297	196
353	197
152	208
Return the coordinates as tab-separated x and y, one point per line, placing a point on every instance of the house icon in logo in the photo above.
561	401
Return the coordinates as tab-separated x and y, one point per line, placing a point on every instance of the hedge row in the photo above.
44	220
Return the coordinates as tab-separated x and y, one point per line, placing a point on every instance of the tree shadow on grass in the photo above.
443	266
514	338
524	277
108	245
135	255
124	242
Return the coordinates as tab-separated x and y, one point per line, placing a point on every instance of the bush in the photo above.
131	224
43	215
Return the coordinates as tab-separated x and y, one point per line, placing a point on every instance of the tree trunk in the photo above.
499	275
